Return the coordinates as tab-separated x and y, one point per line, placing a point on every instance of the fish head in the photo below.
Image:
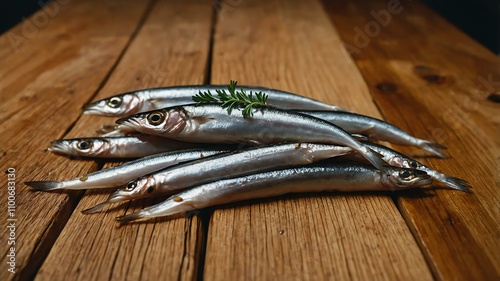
403	178
157	122
135	189
405	162
85	147
115	106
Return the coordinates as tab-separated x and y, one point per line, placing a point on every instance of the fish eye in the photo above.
131	185
114	102
406	175
414	164
84	145
156	118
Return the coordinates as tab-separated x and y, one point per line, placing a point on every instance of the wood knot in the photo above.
386	87
429	74
422	68
434	79
494	97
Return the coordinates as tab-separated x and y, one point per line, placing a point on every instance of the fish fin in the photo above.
434	148
341	109
202	119
113	134
360	137
456	183
44	185
254	142
96	208
156	101
376	159
130	217
119	132
366	130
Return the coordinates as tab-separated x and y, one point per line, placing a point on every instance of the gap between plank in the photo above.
38	254
208	73
205	214
394	196
118	60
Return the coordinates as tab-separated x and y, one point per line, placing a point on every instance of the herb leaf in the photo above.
234	99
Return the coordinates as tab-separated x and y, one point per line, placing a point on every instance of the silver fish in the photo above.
120	175
398	159
212	124
375	129
117	147
295	180
151	99
223	166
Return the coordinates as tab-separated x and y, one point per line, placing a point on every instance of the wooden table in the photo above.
393	60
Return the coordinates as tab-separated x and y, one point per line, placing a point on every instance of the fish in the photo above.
150	99
376	129
212	124
223	166
319	178
117	147
120	175
398	159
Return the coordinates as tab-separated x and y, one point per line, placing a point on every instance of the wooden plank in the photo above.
171	48
45	79
441	80
316	237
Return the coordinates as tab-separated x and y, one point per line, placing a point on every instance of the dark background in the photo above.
478	18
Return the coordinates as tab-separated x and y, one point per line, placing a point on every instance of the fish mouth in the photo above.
128	122
425	180
421	179
58	146
94	109
121	121
113	198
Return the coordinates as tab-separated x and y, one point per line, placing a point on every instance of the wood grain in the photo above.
45	81
163	53
320	237
438	90
420	72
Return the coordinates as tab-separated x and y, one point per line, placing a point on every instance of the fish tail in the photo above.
44	185
455	183
434	148
131	217
341	109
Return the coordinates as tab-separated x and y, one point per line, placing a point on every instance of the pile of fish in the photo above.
204	155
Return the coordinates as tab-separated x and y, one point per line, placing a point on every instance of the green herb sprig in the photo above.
235	99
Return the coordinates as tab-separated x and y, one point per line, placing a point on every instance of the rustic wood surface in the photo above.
322	237
162	250
459	232
45	82
416	71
